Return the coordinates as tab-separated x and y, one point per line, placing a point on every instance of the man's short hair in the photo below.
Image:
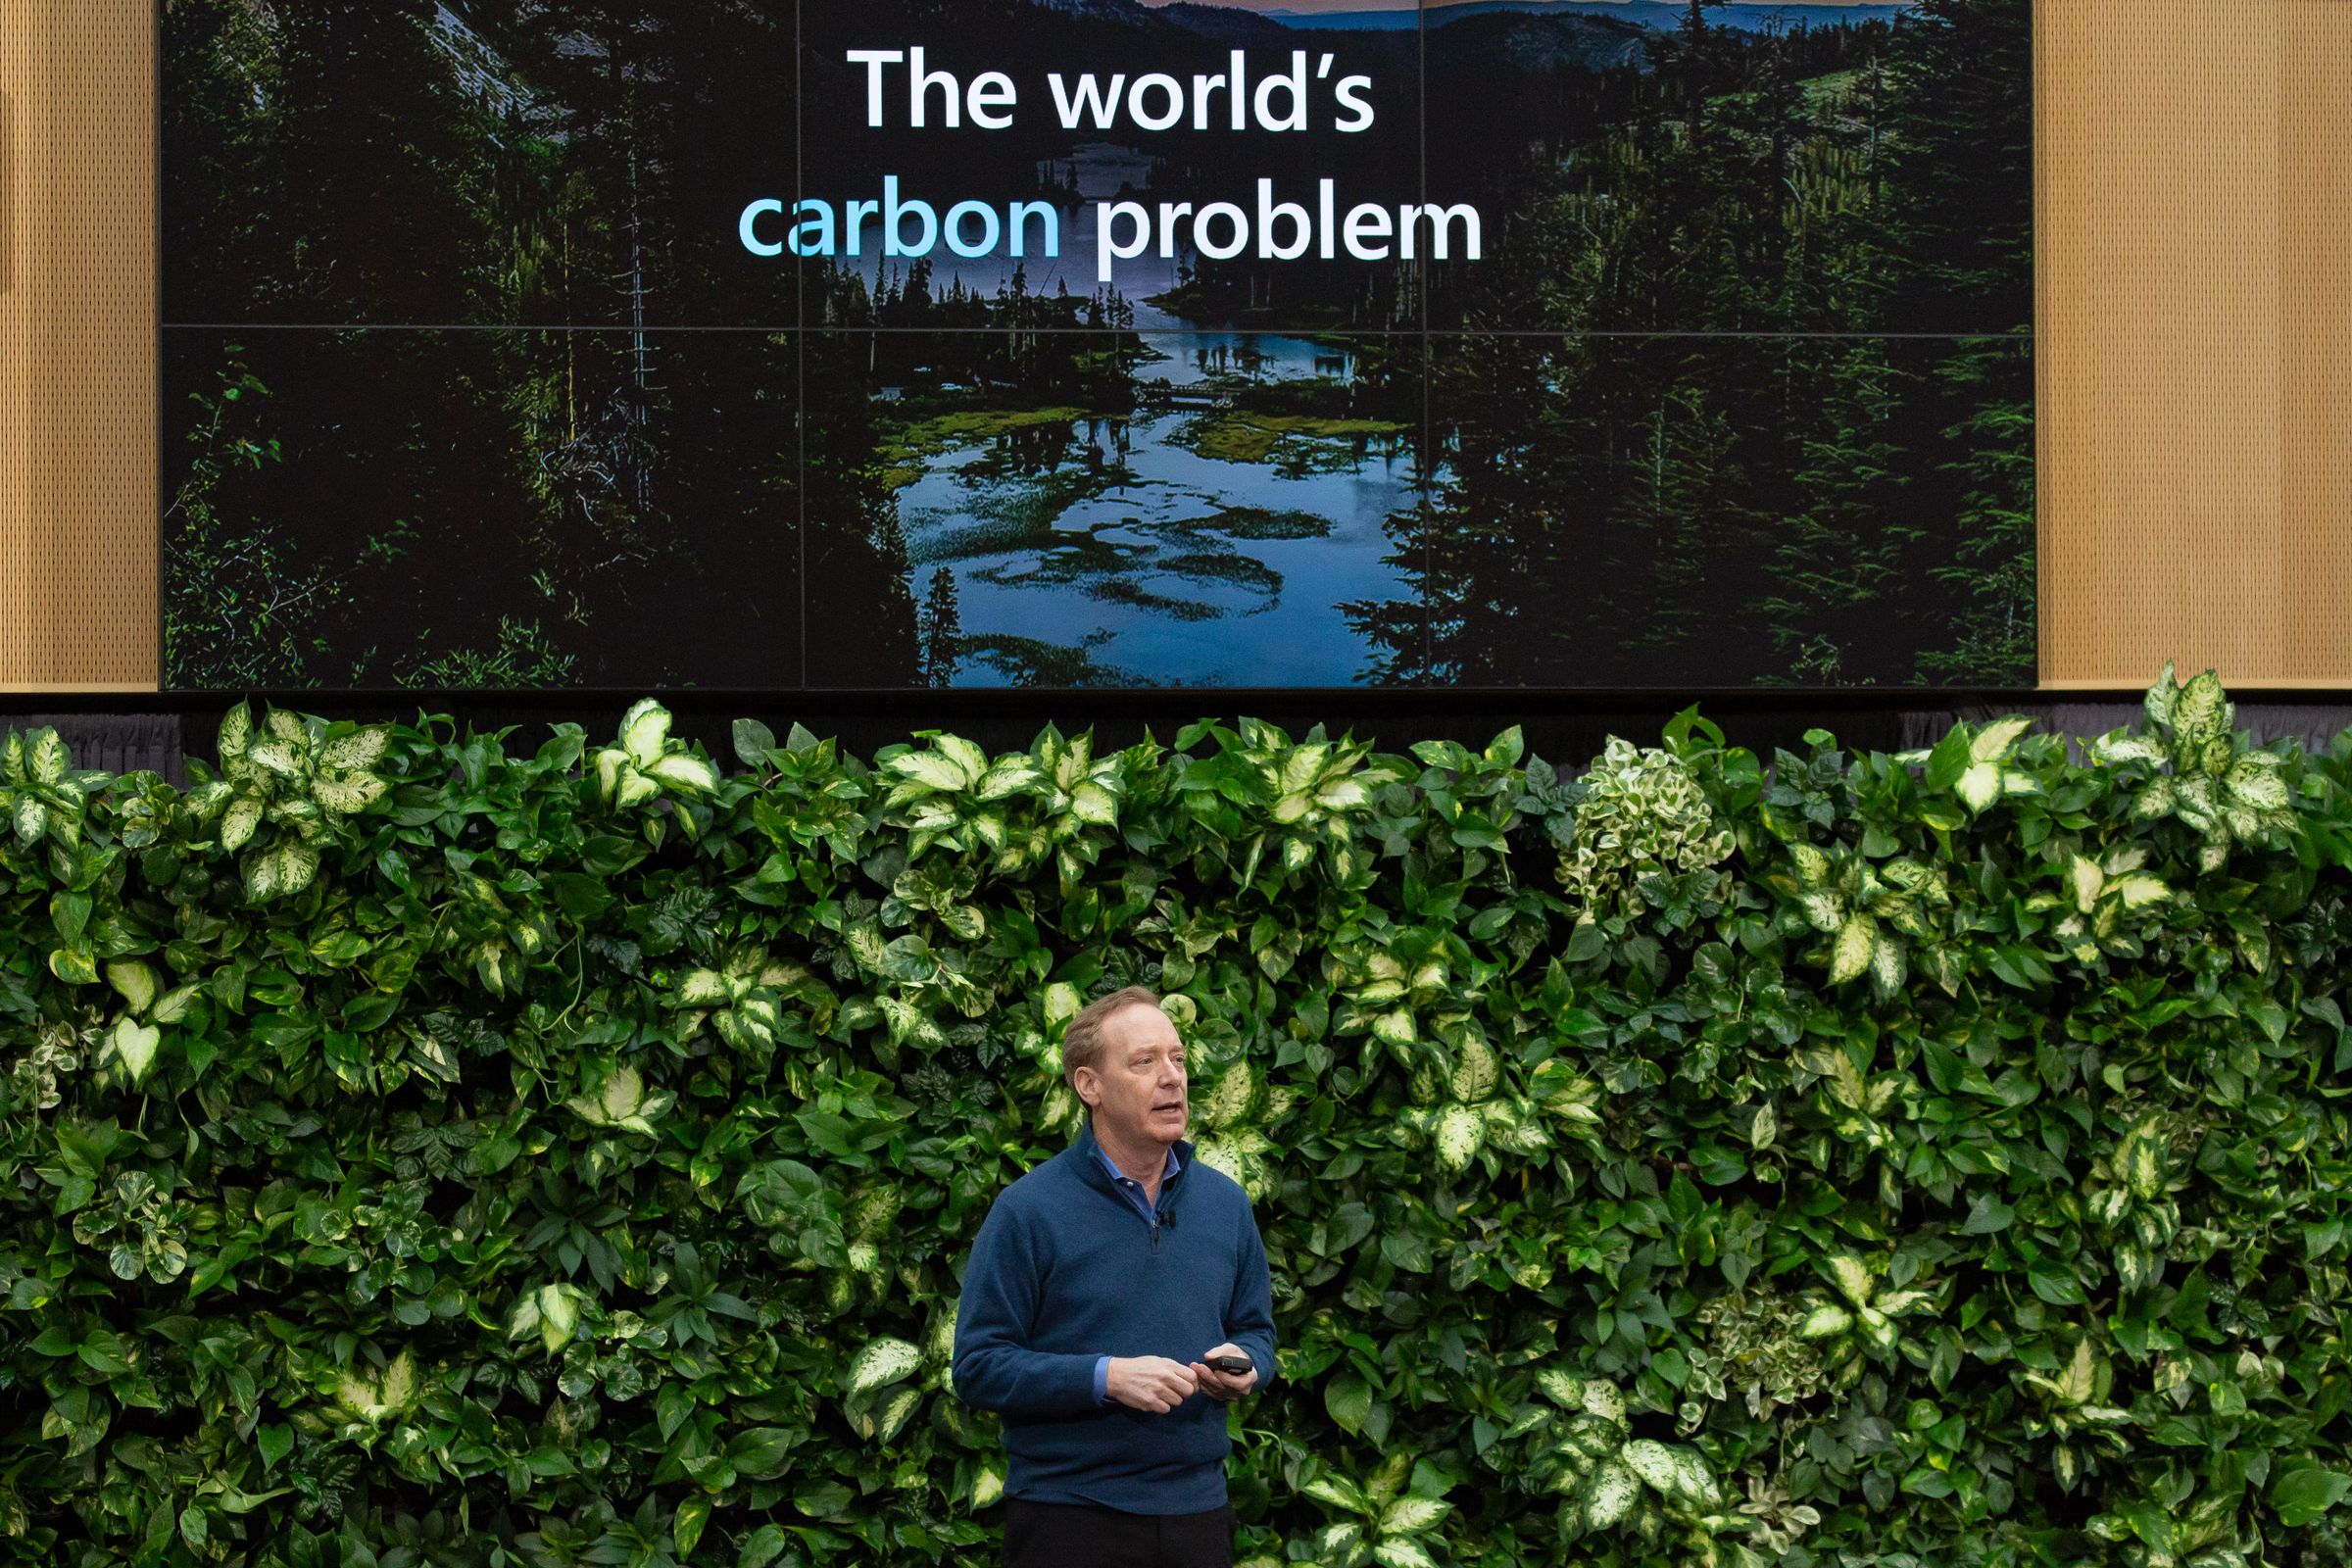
1082	1036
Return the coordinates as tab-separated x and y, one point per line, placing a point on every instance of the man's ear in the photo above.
1082	1080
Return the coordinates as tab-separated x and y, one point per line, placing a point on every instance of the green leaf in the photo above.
134	980
1091	802
681	771
2304	1493
1851	955
1337	1489
1348	1398
275	756
356	753
686	1525
1987	1215
1887	967
1585	941
2085	881
1949	759
932	770
1603	1399
1461	1133
235	733
348	796
47	759
2056	1286
262	873
1610	1496
2258	787
1979	785
823	1499
762	1547
1342	1541
644	729
583	898
135	1043
1850	1276
1825	1321
2201	711
1476	1072
753	741
1994	742
102	1353
880	1361
1409	1515
239	822
2020	965
2120	746
296	864
2081	1374
1008	775
1654	1462
1562	1389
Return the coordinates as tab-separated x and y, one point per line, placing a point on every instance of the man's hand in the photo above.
1222	1387
1152	1382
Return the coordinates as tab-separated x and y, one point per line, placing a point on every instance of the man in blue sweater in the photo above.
1102	1286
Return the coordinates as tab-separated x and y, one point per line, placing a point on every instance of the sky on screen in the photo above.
1407	5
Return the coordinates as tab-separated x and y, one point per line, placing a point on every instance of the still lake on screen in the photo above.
1165	564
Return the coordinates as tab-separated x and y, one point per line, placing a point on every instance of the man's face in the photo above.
1139	1080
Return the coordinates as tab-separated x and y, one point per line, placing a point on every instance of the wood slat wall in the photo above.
77	374
2195	341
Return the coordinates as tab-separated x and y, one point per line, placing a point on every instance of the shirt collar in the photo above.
1103	1156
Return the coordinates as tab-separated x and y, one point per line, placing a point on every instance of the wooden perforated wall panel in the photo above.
78	458
2195	341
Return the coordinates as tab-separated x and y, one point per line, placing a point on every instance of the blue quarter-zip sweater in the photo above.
1133	1190
1065	1271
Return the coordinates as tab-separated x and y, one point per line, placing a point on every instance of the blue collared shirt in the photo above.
1133	1190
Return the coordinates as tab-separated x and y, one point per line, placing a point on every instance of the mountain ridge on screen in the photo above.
1244	23
1660	16
1537	38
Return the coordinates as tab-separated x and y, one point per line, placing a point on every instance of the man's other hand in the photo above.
1151	1382
1222	1387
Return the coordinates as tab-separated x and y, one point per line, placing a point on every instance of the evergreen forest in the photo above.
470	382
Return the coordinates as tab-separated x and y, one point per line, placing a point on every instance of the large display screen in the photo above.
629	344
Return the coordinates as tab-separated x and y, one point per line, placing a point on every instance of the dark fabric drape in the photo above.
125	743
115	743
2315	724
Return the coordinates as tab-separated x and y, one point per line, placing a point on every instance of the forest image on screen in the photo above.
630	344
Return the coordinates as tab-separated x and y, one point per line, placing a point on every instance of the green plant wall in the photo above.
426	1149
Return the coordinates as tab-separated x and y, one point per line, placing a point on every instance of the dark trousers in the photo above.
1061	1535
